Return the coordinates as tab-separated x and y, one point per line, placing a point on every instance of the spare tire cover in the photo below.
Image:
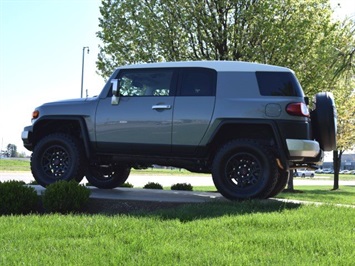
324	121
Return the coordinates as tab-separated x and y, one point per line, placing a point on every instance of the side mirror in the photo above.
115	93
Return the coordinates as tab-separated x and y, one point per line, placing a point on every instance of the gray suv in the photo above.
247	124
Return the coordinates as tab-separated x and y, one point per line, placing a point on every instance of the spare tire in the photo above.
324	121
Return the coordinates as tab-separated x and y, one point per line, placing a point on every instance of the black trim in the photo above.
280	142
82	124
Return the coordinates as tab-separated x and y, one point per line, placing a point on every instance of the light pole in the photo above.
82	71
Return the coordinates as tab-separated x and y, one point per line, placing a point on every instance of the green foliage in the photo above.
65	197
299	34
11	150
127	184
16	198
182	186
152	185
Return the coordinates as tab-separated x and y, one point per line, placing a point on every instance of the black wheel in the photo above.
107	176
57	157
244	169
281	183
312	175
303	176
324	121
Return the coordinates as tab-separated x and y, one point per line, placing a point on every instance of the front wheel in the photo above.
107	176
57	157
244	169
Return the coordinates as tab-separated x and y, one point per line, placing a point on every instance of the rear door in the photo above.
193	108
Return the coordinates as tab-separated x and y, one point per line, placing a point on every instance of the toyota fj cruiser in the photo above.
247	124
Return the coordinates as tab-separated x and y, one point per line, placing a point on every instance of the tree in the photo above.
297	34
344	92
345	96
11	150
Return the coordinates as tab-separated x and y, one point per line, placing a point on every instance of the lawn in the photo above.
223	233
240	233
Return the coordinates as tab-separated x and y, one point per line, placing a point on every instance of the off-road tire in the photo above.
244	169
324	123
107	176
281	183
57	157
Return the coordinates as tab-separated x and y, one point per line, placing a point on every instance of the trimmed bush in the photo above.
129	185
152	185
16	198
182	186
65	197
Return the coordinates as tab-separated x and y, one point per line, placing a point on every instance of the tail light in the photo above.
297	109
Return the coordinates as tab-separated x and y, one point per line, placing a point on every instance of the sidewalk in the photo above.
138	180
139	194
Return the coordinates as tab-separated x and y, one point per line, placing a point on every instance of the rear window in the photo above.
278	84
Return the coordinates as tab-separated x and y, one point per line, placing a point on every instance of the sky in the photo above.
41	48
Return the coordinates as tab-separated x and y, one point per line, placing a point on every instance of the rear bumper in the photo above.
303	148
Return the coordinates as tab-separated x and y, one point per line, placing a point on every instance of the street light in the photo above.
82	70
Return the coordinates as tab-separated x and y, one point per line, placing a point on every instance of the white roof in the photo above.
223	66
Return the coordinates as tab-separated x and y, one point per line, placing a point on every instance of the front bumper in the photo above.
26	137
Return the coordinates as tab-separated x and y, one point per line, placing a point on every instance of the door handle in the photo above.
161	106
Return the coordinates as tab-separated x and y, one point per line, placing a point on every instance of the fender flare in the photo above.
83	129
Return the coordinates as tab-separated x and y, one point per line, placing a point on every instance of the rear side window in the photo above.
197	82
278	84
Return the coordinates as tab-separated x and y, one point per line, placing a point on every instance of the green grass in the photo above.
344	195
247	233
325	194
14	165
224	233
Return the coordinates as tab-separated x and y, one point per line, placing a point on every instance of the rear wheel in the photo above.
57	157
107	176
244	169
282	180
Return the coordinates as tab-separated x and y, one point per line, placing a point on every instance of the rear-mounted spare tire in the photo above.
324	121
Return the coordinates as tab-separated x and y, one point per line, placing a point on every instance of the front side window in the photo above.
278	84
149	82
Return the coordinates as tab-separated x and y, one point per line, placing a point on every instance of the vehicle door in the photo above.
140	122
193	108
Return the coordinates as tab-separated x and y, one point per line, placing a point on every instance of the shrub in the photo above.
182	186
16	198
129	185
65	197
152	185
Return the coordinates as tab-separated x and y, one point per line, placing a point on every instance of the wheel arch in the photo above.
72	125
262	130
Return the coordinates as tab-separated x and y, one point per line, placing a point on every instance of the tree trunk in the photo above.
336	165
290	181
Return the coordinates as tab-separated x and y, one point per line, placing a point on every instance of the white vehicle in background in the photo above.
303	173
